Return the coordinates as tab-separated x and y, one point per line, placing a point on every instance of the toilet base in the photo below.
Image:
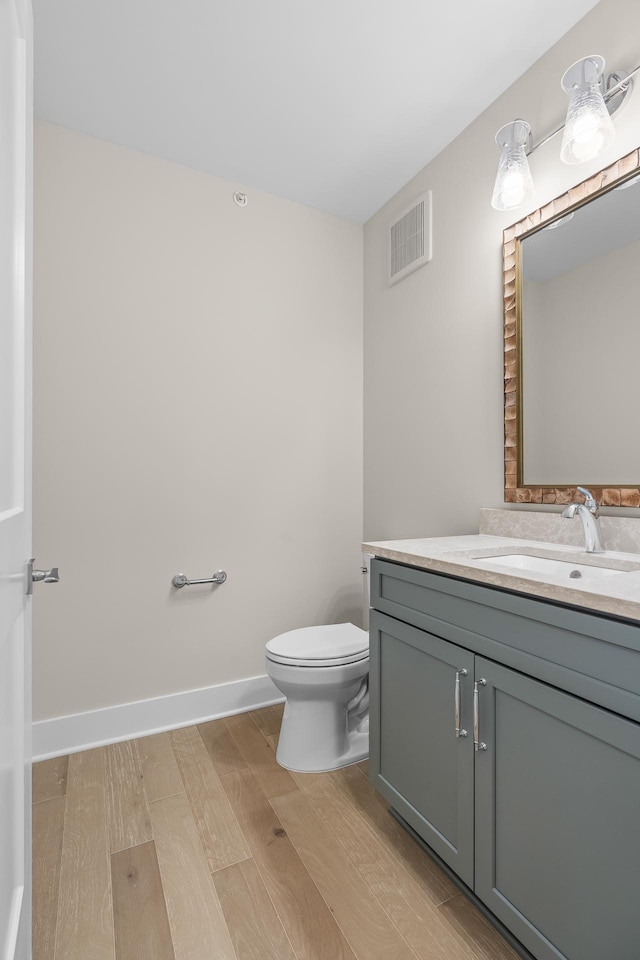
325	724
321	735
357	750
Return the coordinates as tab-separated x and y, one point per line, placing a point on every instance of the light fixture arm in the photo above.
588	129
622	85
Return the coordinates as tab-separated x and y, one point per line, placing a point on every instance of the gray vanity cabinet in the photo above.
425	771
543	822
557	807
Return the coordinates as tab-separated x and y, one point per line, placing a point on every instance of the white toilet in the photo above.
324	674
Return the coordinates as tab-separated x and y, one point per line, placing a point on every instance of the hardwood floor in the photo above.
196	845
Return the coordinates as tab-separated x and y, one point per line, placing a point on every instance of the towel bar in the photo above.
181	580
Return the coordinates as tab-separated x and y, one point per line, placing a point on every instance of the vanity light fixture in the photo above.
513	185
588	129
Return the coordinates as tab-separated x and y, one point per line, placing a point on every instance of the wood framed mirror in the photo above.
571	280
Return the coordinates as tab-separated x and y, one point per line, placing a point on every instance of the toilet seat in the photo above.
299	662
329	645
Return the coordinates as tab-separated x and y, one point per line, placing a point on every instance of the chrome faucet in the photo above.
588	513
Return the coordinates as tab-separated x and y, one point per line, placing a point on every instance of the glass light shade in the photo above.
514	185
588	128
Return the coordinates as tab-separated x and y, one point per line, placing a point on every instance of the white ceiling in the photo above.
333	103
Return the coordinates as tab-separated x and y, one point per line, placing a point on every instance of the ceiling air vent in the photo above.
410	239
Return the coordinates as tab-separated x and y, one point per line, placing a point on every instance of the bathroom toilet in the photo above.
323	672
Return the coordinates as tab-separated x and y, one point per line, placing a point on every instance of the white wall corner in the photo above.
95	728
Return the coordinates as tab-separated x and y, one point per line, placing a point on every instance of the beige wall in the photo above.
433	343
198	404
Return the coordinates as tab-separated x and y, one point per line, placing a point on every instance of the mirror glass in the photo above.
580	344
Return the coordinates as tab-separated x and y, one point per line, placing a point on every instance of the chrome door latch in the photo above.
35	576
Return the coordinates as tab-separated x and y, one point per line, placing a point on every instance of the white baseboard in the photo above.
95	728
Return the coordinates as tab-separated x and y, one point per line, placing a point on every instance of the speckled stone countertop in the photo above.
467	557
618	533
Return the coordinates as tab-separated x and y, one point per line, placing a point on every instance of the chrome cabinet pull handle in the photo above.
477	744
456	703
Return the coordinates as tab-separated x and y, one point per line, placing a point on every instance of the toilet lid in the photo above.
320	646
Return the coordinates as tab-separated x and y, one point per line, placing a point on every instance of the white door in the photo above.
15	477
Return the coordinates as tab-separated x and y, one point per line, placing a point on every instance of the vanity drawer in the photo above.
591	655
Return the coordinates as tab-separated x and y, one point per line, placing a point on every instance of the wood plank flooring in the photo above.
196	845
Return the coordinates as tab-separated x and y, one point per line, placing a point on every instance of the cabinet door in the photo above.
557	819
417	762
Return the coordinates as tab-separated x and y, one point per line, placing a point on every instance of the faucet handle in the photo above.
589	500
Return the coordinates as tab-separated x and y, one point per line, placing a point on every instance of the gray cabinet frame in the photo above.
555	843
557	795
417	762
593	656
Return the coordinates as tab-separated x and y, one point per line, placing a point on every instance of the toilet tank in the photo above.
366	588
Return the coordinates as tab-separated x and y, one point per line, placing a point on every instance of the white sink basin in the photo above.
555	568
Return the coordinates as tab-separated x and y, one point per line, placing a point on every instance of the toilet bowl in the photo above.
323	672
